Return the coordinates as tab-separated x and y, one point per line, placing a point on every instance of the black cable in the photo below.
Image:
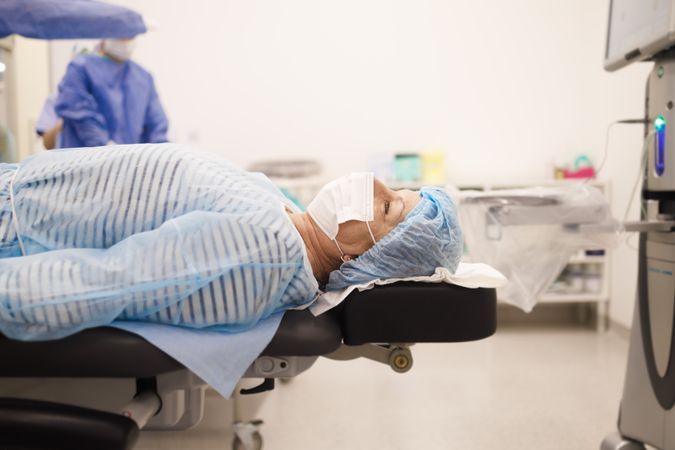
642	121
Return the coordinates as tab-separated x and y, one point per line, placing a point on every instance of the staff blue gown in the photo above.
149	232
101	100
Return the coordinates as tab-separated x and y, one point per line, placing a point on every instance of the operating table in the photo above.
114	383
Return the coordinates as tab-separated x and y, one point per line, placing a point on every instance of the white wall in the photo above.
27	87
504	87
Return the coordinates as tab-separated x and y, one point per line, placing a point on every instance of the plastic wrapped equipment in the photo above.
530	234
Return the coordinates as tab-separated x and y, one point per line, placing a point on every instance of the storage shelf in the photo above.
573	298
601	259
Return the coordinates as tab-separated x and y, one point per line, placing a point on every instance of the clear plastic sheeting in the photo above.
530	234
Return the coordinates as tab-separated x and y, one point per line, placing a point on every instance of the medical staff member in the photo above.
49	125
106	98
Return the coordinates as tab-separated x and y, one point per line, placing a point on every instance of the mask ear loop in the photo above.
342	254
371	233
372	236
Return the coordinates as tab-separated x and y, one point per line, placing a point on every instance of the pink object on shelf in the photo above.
583	172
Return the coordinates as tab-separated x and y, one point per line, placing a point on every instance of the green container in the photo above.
407	167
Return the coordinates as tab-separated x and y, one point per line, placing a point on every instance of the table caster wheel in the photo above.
400	359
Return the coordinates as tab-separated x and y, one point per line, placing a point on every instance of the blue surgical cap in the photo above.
429	237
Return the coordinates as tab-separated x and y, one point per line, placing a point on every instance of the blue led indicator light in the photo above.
660	150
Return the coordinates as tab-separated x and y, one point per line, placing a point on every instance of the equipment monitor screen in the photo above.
637	30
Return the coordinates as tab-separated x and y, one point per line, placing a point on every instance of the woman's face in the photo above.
390	208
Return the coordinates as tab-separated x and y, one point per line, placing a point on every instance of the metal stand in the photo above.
396	356
615	441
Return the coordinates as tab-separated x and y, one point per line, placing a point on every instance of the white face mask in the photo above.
119	48
346	198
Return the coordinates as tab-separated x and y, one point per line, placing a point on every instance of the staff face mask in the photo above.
120	49
347	198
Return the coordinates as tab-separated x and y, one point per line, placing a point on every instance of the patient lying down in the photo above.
164	234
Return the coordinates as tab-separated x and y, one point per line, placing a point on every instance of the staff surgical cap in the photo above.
429	237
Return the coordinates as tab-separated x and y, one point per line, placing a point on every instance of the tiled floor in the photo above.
545	388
